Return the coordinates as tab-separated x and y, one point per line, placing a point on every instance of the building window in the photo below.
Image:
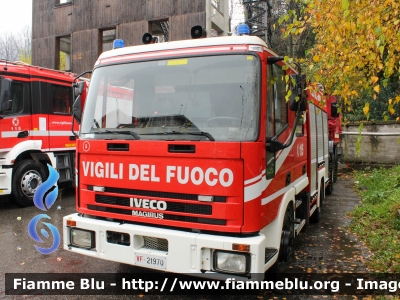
63	2
63	53
216	4
160	30
107	37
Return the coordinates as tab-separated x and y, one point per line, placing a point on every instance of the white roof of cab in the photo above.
195	43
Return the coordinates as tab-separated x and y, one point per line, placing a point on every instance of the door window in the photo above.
60	99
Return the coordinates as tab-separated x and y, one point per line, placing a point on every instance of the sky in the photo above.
15	15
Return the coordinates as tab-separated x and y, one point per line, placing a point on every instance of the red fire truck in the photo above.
35	128
335	129
215	163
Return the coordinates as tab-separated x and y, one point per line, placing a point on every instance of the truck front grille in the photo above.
199	209
154	194
152	243
165	216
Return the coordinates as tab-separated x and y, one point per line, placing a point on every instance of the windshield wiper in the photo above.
200	133
132	133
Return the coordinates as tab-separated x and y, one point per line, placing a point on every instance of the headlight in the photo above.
82	238
231	262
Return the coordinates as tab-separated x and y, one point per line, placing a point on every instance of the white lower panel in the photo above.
187	252
5	181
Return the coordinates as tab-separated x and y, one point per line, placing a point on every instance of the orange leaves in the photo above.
374	79
357	49
366	109
390	107
316	58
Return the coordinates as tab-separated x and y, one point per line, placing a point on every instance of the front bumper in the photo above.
187	252
5	181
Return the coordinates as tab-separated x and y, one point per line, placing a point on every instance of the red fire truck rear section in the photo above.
35	128
205	156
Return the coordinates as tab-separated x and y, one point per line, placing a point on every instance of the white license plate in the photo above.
151	261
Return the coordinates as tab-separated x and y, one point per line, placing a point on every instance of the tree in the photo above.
24	43
15	47
8	50
283	13
294	46
357	48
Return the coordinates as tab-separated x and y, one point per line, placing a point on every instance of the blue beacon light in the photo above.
118	44
243	29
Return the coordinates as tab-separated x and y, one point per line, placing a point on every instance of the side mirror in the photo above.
5	89
6	105
334	110
298	92
274	59
79	86
274	146
77	110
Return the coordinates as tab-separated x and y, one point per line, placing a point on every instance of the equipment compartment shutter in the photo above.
313	138
326	143
320	135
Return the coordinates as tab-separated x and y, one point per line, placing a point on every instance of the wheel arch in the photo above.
321	184
272	231
43	158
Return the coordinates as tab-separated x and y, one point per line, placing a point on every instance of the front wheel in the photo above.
329	188
316	216
335	166
286	248
28	175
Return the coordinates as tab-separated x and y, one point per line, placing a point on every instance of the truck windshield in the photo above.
210	98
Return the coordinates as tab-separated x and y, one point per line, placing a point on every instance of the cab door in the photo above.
61	137
40	113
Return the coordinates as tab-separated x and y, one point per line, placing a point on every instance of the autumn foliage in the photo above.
357	48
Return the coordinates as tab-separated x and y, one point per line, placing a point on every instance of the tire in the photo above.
27	176
286	248
304	210
329	188
316	216
322	194
335	166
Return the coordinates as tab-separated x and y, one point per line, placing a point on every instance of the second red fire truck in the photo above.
35	128
213	164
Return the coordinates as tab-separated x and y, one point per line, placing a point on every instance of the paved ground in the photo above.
326	247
